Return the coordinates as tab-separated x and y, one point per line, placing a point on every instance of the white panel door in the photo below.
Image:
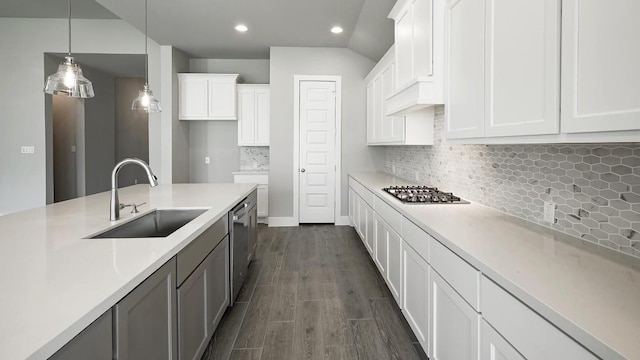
464	54
263	109
495	347
522	67
455	326
600	72
317	151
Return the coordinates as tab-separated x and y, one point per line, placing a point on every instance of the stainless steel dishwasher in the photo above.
243	231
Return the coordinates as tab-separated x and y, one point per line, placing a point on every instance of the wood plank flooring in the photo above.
313	293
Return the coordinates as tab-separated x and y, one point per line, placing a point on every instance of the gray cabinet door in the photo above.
202	300
253	233
145	318
94	342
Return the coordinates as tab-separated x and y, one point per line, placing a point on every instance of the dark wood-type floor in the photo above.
313	293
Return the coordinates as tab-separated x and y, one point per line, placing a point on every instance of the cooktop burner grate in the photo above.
420	194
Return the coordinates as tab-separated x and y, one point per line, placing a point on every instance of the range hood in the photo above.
419	56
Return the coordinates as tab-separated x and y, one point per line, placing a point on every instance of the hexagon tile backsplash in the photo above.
596	187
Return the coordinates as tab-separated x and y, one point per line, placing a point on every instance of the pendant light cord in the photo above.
69	10
146	50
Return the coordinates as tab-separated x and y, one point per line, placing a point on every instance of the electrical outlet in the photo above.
73	148
393	169
207	160
27	150
550	212
417	176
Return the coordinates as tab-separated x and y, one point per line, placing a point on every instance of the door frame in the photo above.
296	143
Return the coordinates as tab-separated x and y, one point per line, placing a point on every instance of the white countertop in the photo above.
590	292
55	282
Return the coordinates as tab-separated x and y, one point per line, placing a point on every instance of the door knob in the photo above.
302	170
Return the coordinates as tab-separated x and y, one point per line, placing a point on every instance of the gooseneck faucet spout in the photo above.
114	204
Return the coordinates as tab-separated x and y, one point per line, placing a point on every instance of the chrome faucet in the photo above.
114	204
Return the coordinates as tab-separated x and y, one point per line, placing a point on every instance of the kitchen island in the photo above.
57	282
496	263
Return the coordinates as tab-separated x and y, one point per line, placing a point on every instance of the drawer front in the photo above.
390	216
529	333
464	278
189	258
364	193
251	179
417	238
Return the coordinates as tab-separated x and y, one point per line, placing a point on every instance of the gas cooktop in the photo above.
420	194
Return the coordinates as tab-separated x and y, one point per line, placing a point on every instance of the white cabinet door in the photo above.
194	97
464	54
415	297
600	72
351	206
455	326
522	67
371	103
222	99
378	108
370	234
494	347
392	126
263	109
362	218
404	43
246	116
380	251
394	264
253	115
263	200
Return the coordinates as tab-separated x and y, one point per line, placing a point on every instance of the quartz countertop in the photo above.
590	292
56	282
251	172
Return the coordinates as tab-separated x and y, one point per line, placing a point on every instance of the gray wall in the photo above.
99	131
252	71
219	139
356	156
23	180
174	132
132	131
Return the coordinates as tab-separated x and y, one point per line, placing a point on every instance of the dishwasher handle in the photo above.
240	212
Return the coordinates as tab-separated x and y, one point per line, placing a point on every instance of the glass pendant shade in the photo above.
146	101
68	80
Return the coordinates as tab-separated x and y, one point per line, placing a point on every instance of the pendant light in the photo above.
68	80
145	100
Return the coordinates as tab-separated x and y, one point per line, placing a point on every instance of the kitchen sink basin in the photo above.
158	223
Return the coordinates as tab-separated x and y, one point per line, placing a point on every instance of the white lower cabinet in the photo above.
530	334
380	253
415	297
262	179
495	347
394	264
370	232
455	325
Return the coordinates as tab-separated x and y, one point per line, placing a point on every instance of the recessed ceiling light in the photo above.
336	29
241	28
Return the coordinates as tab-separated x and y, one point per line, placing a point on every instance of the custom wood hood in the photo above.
419	56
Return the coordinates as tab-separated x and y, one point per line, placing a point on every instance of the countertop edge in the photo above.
590	342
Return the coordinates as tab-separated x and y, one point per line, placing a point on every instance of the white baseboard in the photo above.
282	221
263	220
343	220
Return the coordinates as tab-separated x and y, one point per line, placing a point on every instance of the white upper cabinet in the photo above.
505	83
600	65
522	67
383	129
253	115
464	91
419	41
207	96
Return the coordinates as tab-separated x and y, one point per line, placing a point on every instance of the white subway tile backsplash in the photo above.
596	187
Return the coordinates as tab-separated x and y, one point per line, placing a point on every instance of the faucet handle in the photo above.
134	207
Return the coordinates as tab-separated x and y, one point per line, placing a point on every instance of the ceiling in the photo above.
205	28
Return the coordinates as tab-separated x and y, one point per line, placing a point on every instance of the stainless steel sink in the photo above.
158	223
